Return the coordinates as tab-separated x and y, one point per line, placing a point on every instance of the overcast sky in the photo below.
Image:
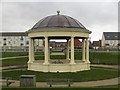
98	17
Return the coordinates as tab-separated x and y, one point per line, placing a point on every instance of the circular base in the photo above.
58	67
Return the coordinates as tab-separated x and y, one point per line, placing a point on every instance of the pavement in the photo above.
113	81
106	66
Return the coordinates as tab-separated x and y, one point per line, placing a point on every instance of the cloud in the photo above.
96	16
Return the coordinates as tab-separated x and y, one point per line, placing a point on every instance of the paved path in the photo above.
106	66
113	81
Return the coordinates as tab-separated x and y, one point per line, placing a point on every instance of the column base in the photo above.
46	63
72	63
37	66
68	59
87	61
30	62
83	60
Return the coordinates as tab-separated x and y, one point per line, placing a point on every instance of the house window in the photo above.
107	44
21	37
21	44
4	44
4	38
9	42
27	42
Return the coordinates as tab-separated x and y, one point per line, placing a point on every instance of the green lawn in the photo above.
110	58
14	54
104	57
15	61
11	54
90	75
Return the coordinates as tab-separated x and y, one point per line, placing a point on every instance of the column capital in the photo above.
46	36
29	38
87	38
72	36
67	39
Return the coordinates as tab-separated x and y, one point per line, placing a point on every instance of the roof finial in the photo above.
58	12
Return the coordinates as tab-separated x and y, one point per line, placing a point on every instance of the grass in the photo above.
104	57
90	75
109	58
10	54
15	61
15	54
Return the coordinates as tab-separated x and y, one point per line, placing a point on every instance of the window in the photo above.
4	44
107	44
21	44
4	38
21	37
27	42
9	42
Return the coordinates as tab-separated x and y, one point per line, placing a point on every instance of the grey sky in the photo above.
98	17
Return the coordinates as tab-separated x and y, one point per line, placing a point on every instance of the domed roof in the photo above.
58	21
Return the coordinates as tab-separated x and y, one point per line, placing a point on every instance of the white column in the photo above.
87	51
46	51
72	51
31	50
67	50
83	50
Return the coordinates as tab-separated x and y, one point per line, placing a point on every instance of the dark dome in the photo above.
58	21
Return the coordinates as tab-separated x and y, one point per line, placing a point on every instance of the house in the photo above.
110	40
54	44
16	41
96	44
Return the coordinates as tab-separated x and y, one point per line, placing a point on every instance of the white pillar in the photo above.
46	51
31	50
83	50
87	51
72	51
67	50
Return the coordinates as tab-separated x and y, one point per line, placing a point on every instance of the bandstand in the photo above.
59	27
